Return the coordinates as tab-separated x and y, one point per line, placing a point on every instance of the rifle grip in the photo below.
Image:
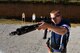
45	34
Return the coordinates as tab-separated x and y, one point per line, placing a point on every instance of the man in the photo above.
59	32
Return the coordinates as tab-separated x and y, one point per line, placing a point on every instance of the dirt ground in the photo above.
32	42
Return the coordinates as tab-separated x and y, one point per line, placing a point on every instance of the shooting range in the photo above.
14	13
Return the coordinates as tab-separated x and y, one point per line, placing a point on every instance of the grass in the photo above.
75	25
13	21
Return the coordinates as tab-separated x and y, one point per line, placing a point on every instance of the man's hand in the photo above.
43	26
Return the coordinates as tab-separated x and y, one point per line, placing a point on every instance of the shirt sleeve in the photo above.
66	26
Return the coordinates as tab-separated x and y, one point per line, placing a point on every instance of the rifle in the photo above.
25	29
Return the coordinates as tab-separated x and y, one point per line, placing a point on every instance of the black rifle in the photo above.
26	29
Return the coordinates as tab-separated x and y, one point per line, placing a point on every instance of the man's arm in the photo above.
56	29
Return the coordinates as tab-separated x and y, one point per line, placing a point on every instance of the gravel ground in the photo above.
32	42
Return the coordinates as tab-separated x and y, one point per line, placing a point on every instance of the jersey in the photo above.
58	40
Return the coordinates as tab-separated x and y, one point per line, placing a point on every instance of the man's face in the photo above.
56	18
